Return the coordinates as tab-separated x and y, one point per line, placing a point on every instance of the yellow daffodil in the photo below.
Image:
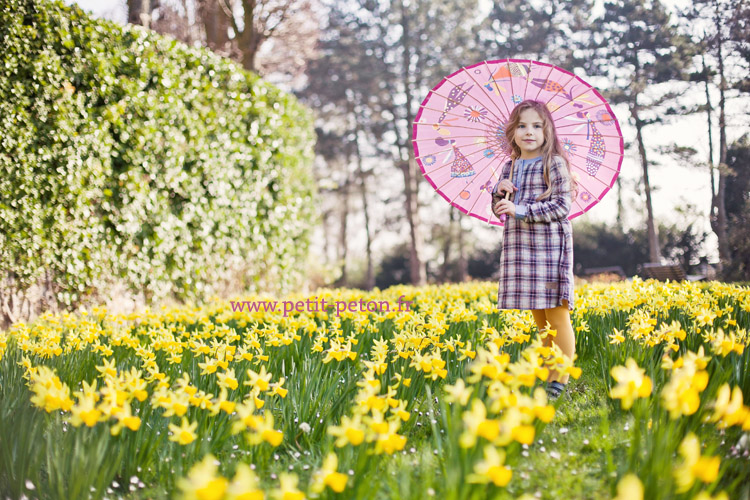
260	380
288	488
728	408
85	412
125	418
351	431
339	352
278	389
223	404
723	344
476	424
466	352
245	485
617	337
107	368
694	466
246	418
183	434
632	383
3	344
50	393
705	317
681	395
264	431
582	327
328	476
389	441
400	411
629	488
203	482
458	393
209	366
492	468
227	379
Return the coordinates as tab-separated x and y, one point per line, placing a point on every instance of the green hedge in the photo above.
127	156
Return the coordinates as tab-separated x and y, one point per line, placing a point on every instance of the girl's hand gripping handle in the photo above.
504	190
506	187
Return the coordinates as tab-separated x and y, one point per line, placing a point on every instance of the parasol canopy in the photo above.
459	132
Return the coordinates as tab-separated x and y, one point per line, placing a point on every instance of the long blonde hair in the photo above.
550	148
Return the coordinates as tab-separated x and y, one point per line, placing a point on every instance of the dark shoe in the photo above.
555	390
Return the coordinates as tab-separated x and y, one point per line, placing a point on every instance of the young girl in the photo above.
536	264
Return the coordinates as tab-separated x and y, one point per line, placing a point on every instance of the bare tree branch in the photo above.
230	15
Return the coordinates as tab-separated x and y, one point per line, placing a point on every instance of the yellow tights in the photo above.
559	319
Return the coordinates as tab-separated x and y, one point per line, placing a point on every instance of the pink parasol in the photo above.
459	132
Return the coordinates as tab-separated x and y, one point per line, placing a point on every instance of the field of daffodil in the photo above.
446	400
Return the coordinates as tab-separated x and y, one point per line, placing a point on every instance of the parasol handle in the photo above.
506	196
510	177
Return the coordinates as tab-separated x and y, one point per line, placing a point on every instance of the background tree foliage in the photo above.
264	36
636	52
738	209
636	44
374	61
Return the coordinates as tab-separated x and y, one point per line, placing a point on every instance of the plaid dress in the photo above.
536	263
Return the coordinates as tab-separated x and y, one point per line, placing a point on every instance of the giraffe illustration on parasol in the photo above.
597	147
552	86
455	96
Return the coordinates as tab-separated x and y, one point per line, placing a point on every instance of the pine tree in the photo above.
717	27
549	31
388	55
636	45
340	85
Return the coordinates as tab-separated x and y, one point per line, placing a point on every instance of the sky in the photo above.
114	10
673	184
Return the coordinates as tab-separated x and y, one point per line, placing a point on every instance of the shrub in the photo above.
127	156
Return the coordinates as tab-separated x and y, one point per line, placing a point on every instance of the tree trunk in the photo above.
139	12
721	216
215	24
463	266
447	243
619	202
370	278
416	274
411	181
326	236
250	37
709	110
653	237
343	241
